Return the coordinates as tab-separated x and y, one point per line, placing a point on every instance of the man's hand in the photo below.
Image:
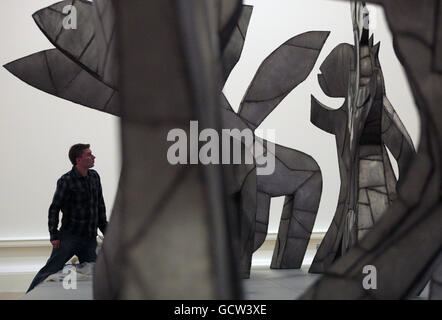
56	244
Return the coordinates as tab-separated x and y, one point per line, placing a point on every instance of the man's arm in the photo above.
54	209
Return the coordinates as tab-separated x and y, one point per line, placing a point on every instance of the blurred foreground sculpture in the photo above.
174	240
163	213
364	126
406	242
173	230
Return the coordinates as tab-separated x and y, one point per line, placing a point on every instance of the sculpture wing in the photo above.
105	34
78	44
51	71
90	43
231	52
280	73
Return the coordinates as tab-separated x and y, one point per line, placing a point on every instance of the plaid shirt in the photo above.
81	201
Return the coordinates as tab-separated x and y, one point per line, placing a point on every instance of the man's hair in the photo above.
76	151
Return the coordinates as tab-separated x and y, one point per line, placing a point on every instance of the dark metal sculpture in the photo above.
171	213
83	68
405	244
364	126
295	172
297	175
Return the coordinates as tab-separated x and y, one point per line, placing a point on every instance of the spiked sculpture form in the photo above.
364	126
78	69
406	243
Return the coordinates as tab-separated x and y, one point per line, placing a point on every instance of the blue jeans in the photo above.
70	245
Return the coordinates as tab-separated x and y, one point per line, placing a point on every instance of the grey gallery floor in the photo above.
264	284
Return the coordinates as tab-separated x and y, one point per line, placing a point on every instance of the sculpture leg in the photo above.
262	219
248	218
297	220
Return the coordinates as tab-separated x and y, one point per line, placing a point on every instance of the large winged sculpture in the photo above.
365	126
296	175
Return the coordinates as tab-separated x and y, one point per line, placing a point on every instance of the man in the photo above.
79	196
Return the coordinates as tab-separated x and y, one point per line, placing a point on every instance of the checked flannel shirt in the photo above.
81	201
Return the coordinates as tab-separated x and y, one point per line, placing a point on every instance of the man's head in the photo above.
81	155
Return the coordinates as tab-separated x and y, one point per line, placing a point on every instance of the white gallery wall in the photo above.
36	129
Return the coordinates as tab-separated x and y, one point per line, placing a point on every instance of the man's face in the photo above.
87	159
